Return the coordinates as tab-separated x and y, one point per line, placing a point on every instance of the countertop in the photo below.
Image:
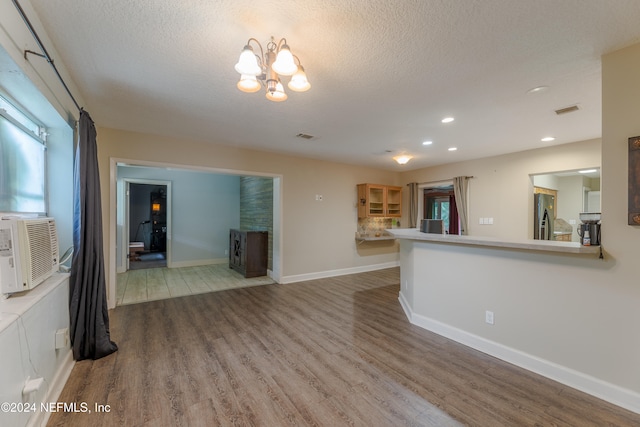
528	244
371	237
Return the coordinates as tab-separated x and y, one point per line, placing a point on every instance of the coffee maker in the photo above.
589	230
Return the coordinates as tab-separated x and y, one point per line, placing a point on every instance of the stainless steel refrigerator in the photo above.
543	217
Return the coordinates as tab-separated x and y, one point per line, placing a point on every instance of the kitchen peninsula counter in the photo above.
517	300
531	245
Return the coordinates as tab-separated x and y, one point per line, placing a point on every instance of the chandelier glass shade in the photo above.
248	83
266	69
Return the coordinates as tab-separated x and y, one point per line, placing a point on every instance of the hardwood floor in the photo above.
327	352
151	284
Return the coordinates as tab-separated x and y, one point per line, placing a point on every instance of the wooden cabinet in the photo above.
248	252
376	200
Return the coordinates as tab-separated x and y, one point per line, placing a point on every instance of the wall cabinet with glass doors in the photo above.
376	200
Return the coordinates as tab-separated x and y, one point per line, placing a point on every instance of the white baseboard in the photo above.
57	384
341	272
405	307
611	393
197	262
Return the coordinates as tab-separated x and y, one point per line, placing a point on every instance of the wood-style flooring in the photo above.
328	352
152	284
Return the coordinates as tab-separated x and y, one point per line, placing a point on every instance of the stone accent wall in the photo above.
256	207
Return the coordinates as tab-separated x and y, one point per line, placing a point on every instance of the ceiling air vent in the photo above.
567	110
304	136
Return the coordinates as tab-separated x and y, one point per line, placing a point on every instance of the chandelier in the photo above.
266	69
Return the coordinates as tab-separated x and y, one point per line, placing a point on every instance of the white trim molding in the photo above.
341	272
57	384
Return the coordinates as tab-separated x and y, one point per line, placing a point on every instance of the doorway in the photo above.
146	232
440	203
148	213
189	220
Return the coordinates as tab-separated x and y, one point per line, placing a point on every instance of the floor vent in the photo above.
567	110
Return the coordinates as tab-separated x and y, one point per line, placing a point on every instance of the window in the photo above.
440	203
22	162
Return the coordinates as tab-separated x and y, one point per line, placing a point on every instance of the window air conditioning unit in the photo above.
28	253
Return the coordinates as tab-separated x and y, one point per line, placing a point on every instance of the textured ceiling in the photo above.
383	73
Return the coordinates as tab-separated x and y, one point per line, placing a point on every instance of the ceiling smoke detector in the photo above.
567	110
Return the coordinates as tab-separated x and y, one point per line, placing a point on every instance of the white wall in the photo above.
570	201
549	181
28	325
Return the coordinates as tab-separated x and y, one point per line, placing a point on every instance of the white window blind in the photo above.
22	167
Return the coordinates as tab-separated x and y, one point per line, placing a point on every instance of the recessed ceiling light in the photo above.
427	143
452	148
403	159
588	171
538	89
548	139
448	120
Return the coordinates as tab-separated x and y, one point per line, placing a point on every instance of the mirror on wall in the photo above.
563	196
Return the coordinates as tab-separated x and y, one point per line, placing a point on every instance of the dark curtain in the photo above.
454	220
87	287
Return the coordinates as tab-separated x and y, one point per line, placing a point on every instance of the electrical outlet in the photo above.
226	251
488	317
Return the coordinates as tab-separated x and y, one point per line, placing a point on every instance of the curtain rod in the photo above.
441	180
45	54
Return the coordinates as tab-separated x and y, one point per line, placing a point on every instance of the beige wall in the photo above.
501	188
620	120
317	237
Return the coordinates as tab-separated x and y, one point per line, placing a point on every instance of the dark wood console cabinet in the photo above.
248	252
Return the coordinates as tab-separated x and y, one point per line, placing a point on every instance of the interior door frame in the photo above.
124	219
114	209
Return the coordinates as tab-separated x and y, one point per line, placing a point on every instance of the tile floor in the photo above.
150	284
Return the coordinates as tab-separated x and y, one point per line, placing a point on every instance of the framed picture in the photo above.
634	180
